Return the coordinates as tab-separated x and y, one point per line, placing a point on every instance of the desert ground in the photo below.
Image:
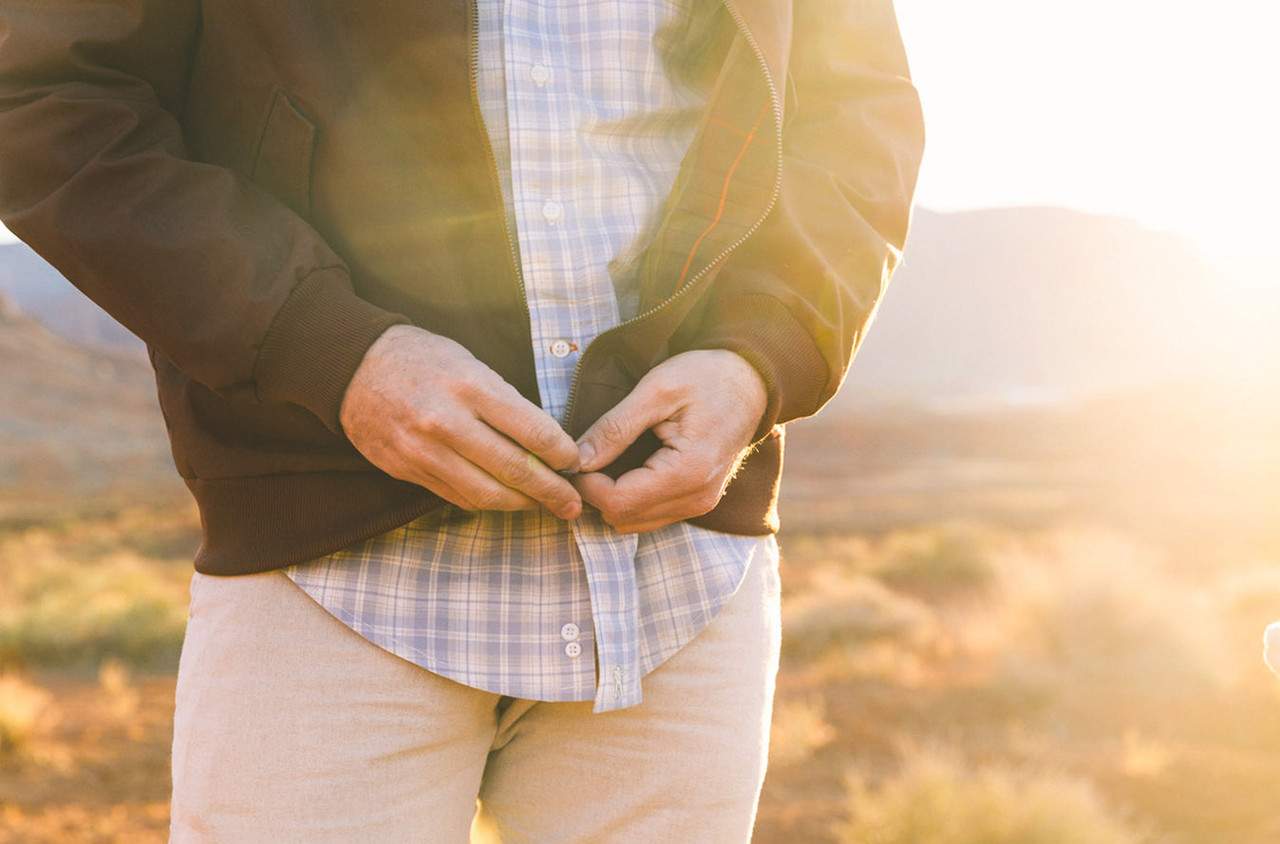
1036	625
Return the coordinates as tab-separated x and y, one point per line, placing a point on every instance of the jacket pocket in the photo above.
282	165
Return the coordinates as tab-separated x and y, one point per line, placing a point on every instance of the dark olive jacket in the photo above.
259	189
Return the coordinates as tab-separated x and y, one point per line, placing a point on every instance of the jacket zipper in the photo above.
732	8
473	53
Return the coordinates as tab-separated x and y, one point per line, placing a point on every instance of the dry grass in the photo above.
93	771
1081	685
800	728
1099	607
1050	684
72	595
935	798
940	563
849	613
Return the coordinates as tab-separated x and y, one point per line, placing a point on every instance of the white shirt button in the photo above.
573	650
569	632
540	74
562	348
552	211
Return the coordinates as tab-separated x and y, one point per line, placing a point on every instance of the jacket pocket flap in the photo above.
282	166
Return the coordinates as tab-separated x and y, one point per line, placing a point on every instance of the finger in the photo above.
645	527
615	431
642	500
463	483
670	474
653	519
451	495
517	469
511	414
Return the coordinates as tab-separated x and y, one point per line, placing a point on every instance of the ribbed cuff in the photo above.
316	343
761	329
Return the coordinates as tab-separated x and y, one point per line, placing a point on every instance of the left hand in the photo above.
704	405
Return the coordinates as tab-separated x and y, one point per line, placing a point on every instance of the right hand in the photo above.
423	409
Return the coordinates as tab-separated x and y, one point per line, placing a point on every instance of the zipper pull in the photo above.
617	681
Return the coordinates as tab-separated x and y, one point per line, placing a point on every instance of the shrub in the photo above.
76	618
73	595
799	729
851	612
1100	608
934	799
937	563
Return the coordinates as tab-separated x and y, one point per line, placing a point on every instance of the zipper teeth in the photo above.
494	179
773	200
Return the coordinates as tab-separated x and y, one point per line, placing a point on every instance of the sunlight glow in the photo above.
1161	112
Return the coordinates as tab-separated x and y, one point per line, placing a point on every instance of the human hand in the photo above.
704	406
422	409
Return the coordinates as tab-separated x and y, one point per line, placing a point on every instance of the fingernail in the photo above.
586	454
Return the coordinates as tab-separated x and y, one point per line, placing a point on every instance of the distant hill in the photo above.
998	305
41	291
1036	303
74	420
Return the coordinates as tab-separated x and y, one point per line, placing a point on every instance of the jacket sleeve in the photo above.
235	289
796	298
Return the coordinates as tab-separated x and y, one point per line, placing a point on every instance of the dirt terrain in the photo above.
1053	618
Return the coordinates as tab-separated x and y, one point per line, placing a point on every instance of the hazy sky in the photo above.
1161	111
1166	112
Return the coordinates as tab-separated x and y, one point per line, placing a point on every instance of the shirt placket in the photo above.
570	302
566	308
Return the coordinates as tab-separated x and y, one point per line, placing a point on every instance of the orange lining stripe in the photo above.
728	126
724	193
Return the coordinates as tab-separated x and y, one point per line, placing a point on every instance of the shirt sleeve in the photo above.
228	283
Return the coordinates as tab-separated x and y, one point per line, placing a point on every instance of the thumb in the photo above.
616	430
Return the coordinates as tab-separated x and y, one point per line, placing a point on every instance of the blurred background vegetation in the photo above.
975	660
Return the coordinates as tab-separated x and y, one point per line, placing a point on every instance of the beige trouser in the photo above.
292	728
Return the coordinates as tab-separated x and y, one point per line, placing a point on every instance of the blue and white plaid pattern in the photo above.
588	131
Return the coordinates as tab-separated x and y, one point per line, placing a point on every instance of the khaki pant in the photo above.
292	728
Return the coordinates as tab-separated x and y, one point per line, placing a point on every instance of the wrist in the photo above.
751	384
366	376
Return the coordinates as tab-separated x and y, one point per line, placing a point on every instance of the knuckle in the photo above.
469	389
553	494
429	426
488	498
542	438
613	427
666	392
621	511
515	469
609	513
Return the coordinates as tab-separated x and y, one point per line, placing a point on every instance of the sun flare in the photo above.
1157	112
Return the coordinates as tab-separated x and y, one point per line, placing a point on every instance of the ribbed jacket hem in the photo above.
262	523
268	522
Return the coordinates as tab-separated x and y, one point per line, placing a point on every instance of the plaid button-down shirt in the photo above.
588	126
